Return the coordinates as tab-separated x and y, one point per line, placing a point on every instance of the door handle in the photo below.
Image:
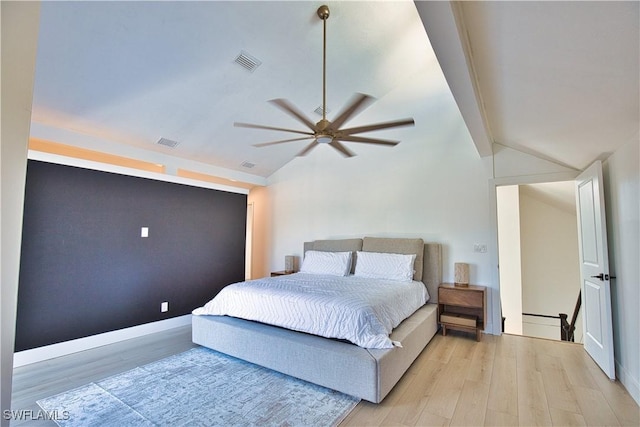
603	277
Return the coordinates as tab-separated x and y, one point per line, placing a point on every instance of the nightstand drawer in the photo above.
459	319
466	298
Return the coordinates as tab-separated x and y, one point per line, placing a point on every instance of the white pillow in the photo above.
385	266
319	262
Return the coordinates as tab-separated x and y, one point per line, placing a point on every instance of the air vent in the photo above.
318	111
167	142
247	165
247	61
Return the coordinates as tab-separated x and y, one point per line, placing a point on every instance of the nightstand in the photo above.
281	273
462	308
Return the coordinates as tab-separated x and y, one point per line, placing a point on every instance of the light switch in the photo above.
144	232
481	248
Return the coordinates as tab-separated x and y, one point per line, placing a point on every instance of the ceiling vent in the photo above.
318	111
247	165
167	142
247	61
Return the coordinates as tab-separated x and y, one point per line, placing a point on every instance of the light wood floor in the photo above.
501	381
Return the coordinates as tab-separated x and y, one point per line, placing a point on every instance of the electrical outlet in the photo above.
480	248
144	232
164	307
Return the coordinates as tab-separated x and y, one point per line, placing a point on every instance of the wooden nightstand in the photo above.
462	307
280	273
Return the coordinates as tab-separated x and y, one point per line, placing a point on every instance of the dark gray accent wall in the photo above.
85	269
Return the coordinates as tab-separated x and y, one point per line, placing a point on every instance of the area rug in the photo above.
199	387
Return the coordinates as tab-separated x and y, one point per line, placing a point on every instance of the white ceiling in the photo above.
556	79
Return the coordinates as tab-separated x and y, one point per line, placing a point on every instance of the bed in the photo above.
367	373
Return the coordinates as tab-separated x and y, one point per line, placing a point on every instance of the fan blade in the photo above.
308	148
365	140
341	148
252	126
266	144
288	108
358	102
377	126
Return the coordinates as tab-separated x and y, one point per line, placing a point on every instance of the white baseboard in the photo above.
630	383
52	351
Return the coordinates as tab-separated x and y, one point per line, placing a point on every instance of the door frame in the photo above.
493	215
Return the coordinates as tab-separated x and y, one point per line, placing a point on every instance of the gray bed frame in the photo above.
369	374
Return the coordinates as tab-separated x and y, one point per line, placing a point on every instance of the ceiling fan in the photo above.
324	131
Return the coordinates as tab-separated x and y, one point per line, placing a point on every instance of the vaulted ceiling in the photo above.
558	80
555	79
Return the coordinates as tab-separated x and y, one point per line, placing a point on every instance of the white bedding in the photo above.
361	310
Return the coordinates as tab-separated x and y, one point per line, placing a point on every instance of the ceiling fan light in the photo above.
324	139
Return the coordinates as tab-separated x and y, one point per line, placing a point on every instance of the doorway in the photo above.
249	244
538	259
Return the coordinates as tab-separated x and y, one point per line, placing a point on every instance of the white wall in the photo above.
550	265
432	185
19	40
622	194
509	258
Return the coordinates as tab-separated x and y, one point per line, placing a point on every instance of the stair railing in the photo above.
561	316
566	329
574	318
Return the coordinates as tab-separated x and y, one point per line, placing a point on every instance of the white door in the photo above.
594	268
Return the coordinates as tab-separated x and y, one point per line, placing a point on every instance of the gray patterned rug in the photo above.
199	387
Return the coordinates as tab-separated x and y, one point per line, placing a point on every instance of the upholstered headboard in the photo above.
432	273
428	264
338	245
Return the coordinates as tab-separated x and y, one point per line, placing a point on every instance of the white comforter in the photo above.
361	310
